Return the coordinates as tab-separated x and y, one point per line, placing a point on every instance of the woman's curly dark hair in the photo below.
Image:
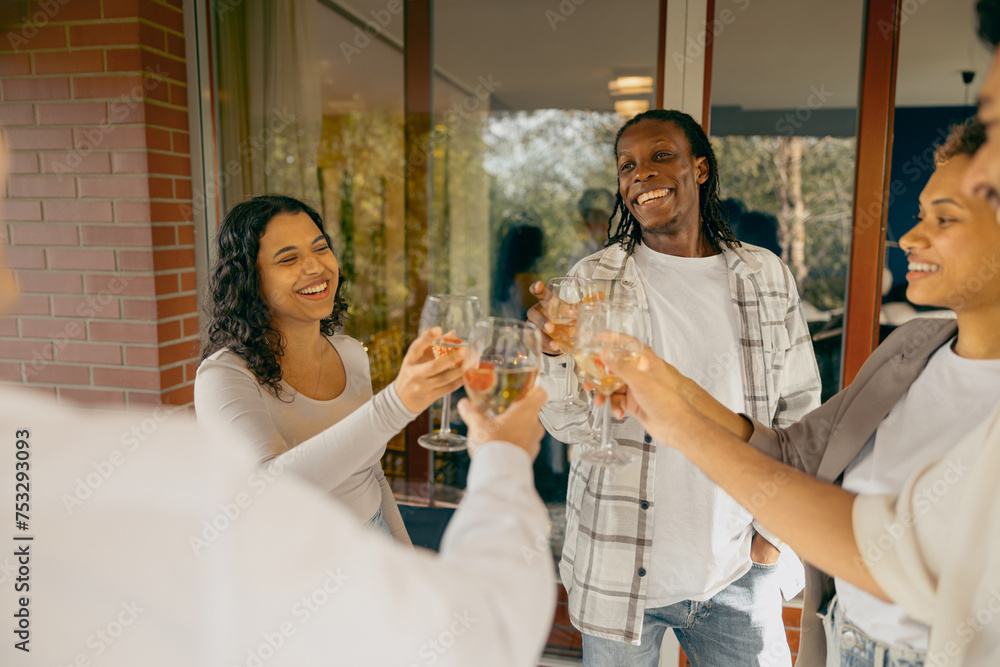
713	214
964	138
239	318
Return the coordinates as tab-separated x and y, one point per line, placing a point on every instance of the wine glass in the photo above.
620	327
456	315
565	297
501	363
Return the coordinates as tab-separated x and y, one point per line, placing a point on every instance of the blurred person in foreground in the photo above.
932	543
275	370
156	542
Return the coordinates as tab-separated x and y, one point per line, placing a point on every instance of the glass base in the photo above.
571	406
443	442
606	457
585	436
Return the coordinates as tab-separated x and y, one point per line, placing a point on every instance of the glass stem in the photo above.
568	394
606	423
446	414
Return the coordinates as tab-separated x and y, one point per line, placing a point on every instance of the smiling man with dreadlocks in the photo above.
655	545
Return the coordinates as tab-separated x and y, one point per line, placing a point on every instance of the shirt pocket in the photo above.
779	344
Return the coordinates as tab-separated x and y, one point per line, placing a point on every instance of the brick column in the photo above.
93	99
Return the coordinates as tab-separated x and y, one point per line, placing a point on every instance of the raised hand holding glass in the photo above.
618	326
501	363
565	298
457	316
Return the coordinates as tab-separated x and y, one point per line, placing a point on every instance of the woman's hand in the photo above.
670	385
422	379
517	425
654	394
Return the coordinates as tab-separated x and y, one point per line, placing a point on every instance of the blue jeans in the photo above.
741	625
378	524
847	646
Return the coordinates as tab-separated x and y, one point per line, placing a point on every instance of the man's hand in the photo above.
763	552
537	316
423	379
518	424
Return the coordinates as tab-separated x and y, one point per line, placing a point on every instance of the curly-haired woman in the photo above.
275	370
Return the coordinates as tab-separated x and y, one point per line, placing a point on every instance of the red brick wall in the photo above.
93	99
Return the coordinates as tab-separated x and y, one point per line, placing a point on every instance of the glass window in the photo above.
524	122
783	117
940	70
322	119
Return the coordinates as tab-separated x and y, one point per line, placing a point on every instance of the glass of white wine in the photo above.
457	316
501	363
620	327
566	296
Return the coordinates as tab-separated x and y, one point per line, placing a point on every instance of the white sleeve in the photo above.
390	509
231	397
177	547
552	379
487	599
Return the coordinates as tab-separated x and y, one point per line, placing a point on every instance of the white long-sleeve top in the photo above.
152	546
336	445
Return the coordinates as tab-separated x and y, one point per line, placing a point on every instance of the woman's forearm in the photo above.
812	516
708	406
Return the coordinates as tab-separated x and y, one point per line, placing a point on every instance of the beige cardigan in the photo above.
828	439
935	548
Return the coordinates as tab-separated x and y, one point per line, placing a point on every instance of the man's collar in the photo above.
738	259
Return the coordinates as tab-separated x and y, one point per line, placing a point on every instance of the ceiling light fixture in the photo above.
631	85
629	108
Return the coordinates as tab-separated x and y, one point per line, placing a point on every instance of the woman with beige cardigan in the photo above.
892	434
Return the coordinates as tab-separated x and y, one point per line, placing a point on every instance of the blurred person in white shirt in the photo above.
148	540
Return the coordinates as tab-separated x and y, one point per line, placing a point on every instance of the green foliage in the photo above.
541	162
749	172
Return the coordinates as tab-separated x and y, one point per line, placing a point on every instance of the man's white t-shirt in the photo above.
701	535
948	399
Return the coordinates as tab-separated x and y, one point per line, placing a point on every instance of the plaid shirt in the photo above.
609	513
